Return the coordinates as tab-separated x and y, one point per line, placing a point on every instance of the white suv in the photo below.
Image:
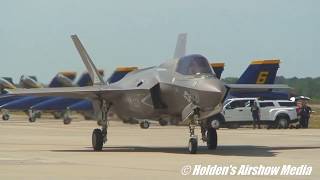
275	113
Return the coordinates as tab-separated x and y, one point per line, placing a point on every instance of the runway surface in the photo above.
47	149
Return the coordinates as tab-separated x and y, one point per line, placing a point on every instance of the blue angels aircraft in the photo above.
23	102
261	72
59	104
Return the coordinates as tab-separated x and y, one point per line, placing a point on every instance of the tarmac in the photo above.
48	149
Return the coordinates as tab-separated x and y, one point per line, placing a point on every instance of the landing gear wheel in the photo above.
5	117
212	138
97	140
32	119
67	120
193	145
66	117
145	124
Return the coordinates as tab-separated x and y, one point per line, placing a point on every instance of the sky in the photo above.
35	34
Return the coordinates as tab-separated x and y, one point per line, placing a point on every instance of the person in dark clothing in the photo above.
305	115
255	110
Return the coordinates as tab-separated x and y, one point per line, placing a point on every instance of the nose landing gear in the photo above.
193	140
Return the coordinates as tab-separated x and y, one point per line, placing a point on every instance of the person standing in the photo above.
305	115
255	111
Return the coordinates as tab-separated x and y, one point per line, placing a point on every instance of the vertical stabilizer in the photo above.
180	46
91	68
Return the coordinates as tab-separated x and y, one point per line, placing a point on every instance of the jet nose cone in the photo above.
212	92
212	85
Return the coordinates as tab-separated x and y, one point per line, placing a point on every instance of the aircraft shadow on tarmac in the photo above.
236	150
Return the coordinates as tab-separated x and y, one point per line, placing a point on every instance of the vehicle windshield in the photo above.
194	65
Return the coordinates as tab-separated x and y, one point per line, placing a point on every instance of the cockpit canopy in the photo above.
193	65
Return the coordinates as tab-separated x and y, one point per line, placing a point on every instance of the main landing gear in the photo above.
208	132
6	116
66	117
99	136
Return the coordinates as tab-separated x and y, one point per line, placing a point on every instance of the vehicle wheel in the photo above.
145	124
163	122
67	120
283	123
215	121
193	146
212	138
97	140
32	119
5	117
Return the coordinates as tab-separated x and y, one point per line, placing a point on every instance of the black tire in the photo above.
193	146
212	138
219	121
97	140
145	124
67	120
5	117
283	123
163	122
32	119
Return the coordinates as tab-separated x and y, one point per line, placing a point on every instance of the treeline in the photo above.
301	86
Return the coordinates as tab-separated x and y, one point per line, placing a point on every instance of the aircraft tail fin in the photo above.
260	72
218	68
119	73
85	79
180	46
63	79
92	70
6	83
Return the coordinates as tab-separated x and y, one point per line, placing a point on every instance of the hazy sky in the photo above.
35	34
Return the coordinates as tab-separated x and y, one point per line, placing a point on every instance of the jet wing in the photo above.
255	87
73	92
88	92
